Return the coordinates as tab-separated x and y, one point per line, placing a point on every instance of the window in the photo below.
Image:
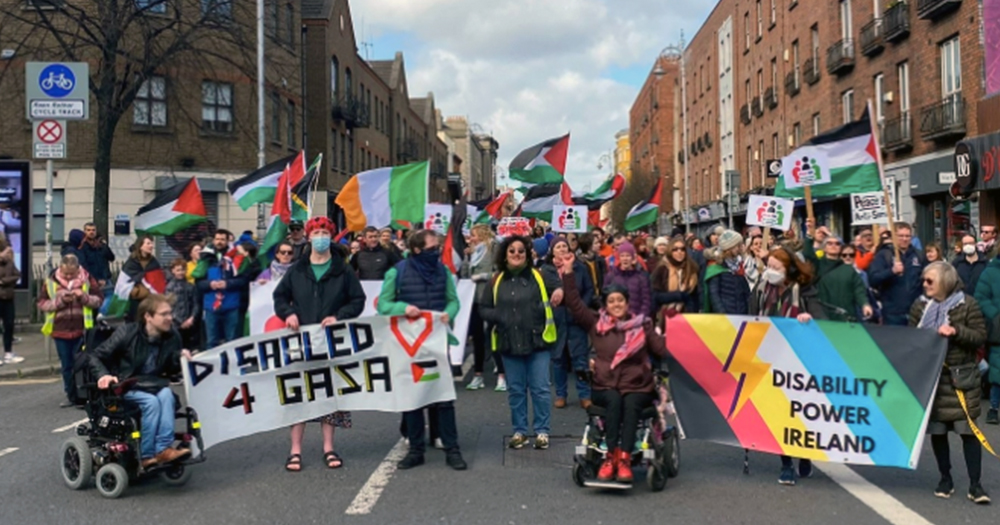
334	74
350	155
903	73
150	107
845	20
348	82
847	104
152	6
814	34
274	22
290	23
879	99
760	20
275	118
746	31
219	9
775	146
760	162
796	134
343	152
290	125
748	91
333	153
774	74
795	61
216	106
951	70
774	12
750	161
816	125
760	84
38	216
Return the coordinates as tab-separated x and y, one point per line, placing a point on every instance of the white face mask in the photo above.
969	249
773	276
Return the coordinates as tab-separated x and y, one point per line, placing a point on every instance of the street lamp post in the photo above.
676	52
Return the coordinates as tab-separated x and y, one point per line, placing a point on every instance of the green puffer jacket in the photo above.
838	284
970	334
988	295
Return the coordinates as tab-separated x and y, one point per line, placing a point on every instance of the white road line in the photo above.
69	426
8	450
19	382
368	496
874	497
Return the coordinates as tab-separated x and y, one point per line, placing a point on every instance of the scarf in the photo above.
426	264
477	255
735	265
279	270
936	314
81	277
635	336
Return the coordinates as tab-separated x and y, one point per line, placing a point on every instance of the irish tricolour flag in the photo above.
173	210
646	212
383	197
258	187
838	162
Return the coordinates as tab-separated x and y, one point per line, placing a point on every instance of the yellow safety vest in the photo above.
549	335
50	317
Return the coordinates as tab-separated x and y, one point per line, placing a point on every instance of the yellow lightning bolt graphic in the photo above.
743	364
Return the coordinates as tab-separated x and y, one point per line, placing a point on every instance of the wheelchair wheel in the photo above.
175	475
112	480
76	462
578	474
656	478
672	452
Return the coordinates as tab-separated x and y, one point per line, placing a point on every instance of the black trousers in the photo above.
623	413
973	455
480	343
446	427
7	318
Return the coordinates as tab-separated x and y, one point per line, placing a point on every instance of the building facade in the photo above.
652	129
477	157
623	154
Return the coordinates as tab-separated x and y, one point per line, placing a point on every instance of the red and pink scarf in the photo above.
635	336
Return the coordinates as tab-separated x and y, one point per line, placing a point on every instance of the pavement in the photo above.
243	481
39	359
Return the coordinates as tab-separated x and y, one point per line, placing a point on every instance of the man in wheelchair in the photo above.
622	374
143	355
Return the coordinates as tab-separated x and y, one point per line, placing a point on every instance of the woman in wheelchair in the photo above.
623	376
146	352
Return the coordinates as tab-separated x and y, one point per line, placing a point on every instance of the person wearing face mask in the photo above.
415	285
970	265
726	290
319	289
785	291
627	274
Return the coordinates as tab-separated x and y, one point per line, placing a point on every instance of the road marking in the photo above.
17	382
8	450
368	496
874	497
466	366
71	425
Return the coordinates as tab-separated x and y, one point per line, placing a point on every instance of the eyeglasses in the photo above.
284	252
928	281
678	249
515	251
847	256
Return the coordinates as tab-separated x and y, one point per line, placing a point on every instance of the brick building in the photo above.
792	71
652	132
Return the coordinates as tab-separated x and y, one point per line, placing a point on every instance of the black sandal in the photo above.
294	460
330	457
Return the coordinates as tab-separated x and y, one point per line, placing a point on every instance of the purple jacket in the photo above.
637	283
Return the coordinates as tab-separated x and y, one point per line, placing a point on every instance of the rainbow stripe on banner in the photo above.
822	390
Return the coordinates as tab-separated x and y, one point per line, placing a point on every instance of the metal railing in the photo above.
872	37
944	118
810	70
897	133
897	21
792	85
840	57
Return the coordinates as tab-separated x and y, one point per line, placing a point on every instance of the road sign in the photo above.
57	90
49	139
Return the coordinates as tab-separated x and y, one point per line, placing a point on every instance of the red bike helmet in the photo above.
320	223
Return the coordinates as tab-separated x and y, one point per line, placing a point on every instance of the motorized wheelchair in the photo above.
108	443
657	446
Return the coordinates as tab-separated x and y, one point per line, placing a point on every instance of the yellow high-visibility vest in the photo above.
50	317
549	335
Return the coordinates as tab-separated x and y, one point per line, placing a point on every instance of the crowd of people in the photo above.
550	307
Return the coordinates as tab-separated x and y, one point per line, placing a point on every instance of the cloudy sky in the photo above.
528	70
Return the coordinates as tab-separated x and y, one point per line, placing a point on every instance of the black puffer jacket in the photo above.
371	264
126	351
338	292
518	313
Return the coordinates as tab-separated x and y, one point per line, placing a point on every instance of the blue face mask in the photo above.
320	244
429	255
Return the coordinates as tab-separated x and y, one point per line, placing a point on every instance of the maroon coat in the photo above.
634	374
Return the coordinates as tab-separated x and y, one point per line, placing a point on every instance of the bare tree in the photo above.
126	42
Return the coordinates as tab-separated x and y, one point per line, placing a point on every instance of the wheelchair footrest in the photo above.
607	484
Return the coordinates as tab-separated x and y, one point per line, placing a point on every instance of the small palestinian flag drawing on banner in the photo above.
424	371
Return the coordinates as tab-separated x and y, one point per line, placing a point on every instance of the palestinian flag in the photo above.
453	249
383	197
838	162
259	186
132	273
491	208
611	188
543	163
645	212
301	193
172	210
281	208
540	199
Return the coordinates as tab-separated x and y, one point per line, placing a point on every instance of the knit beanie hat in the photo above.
626	248
661	241
718	230
729	240
541	247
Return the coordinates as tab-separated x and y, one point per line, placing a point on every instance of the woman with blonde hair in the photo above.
480	269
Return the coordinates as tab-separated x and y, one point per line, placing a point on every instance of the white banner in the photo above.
437	217
806	166
771	212
471	212
569	219
269	381
869	208
263	319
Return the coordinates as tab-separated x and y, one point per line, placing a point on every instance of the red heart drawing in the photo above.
428	328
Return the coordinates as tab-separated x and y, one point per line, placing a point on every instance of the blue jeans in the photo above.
524	373
221	327
994	396
67	350
576	339
157	433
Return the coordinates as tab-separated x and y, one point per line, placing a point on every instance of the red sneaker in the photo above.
624	474
607	470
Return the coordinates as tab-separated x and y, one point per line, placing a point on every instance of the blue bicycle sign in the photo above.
56	81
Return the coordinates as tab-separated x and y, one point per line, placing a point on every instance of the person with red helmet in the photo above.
319	289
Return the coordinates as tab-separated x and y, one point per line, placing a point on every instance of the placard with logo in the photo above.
809	169
437	217
569	219
770	212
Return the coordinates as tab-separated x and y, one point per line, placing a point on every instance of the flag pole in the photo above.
881	178
808	195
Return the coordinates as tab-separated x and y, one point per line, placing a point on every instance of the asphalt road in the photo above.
243	481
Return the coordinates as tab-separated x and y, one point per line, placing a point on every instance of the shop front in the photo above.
937	217
977	176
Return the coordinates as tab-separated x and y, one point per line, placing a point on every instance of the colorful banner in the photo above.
827	391
991	45
263	320
514	226
270	381
773	212
569	219
437	217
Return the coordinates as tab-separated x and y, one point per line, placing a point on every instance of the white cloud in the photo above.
528	70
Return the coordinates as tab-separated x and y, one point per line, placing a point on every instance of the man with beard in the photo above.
96	256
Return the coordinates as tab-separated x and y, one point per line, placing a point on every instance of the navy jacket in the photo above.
729	293
897	292
970	272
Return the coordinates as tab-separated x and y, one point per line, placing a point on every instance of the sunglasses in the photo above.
678	249
847	256
284	252
516	251
928	281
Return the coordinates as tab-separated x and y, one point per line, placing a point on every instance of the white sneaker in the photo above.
438	444
12	358
501	384
476	383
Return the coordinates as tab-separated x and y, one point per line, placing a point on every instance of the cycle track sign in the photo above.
57	90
